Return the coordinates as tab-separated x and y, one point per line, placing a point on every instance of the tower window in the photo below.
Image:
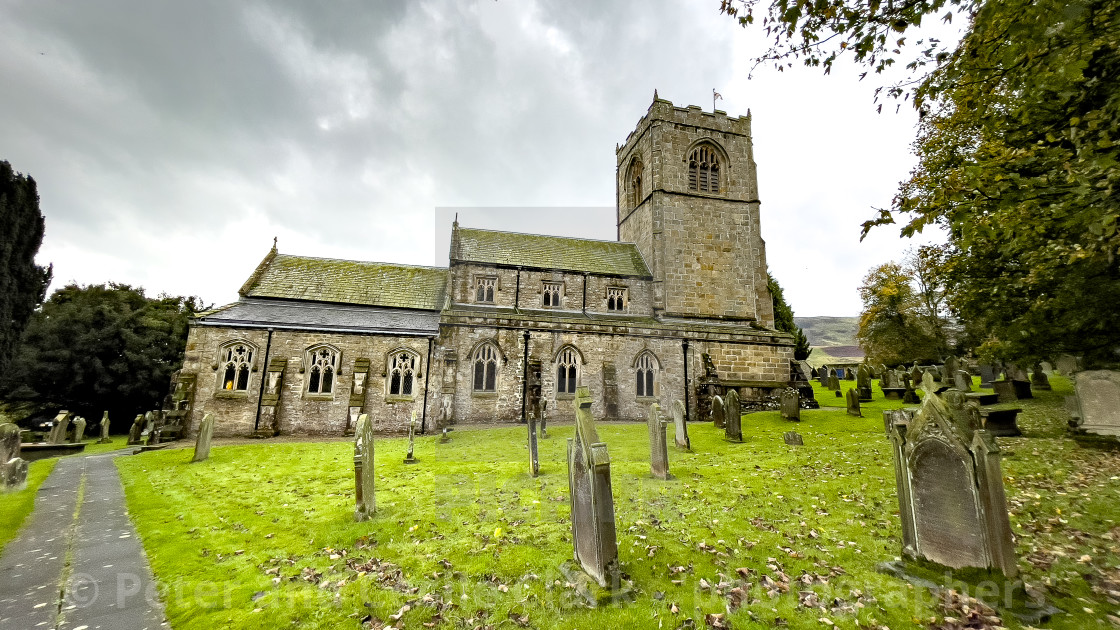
703	170
484	290
634	191
552	293
567	371
486	369
646	375
616	299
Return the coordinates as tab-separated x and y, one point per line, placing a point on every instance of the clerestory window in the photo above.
616	299
703	170
552	293
484	290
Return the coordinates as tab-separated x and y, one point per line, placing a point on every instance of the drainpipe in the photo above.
427	377
524	377
585	294
264	377
684	347
517	293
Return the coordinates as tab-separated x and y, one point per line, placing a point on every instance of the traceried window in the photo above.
322	367
552	293
567	371
486	368
703	170
646	374
402	373
484	289
236	363
616	299
634	190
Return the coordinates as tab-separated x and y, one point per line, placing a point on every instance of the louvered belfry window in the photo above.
703	170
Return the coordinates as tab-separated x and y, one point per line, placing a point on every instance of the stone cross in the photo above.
79	430
681	425
409	458
13	470
202	442
61	424
363	469
734	429
791	405
658	447
950	487
105	439
719	418
135	432
534	455
852	398
589	486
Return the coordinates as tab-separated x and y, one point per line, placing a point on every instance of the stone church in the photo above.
676	308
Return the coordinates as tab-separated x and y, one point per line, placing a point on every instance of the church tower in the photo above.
687	192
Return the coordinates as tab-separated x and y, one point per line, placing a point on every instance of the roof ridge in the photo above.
255	277
364	262
569	238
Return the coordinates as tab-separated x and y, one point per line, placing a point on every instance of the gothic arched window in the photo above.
567	371
703	169
634	190
236	361
322	367
485	363
401	372
646	374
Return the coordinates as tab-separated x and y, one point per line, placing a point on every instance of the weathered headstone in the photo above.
135	431
863	383
852	398
1067	364
791	405
13	470
962	380
950	368
793	438
534	455
1016	373
61	424
719	414
445	436
105	439
1096	404
833	381
950	487
988	373
822	375
850	374
891	384
916	374
542	413
589	486
681	425
364	497
410	458
202	441
909	396
79	430
1039	379
658	446
445	411
734	429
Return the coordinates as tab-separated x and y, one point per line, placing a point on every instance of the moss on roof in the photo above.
537	251
348	282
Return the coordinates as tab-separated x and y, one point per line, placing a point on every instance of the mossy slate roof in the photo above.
536	251
348	282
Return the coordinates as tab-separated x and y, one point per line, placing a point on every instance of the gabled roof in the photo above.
300	315
347	282
535	251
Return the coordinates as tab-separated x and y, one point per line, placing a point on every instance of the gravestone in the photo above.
542	407
916	374
445	411
1039	380
1096	404
962	380
822	375
891	385
137	428
13	469
445	436
364	496
202	441
681	425
950	487
1016	373
863	383
534	455
833	381
849	374
105	439
793	438
409	458
589	489
949	370
909	396
734	413
79	430
791	405
61	424
719	415
658	446
1067	364
988	373
852	399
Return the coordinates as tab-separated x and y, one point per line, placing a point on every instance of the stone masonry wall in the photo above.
529	296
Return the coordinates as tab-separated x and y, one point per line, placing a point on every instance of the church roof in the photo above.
536	251
347	282
299	315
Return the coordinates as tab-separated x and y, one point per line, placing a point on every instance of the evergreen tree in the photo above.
22	282
783	320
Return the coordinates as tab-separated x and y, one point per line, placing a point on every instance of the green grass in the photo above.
263	535
16	506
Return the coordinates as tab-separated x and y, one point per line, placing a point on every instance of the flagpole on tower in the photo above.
715	95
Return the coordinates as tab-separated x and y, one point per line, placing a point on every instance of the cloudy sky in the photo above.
172	141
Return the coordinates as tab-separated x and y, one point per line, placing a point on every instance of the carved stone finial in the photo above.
274	239
655	94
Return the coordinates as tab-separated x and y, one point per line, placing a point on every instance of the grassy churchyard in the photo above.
765	534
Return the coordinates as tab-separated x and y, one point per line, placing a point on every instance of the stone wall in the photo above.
529	296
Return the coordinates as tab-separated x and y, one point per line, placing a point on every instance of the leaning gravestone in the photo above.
681	425
13	470
61	424
79	430
1096	405
950	487
719	416
363	470
1039	379
134	434
105	439
791	405
734	429
962	380
852	398
589	489
793	438
658	447
202	442
534	456
410	458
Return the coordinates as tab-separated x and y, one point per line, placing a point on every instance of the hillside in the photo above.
829	331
